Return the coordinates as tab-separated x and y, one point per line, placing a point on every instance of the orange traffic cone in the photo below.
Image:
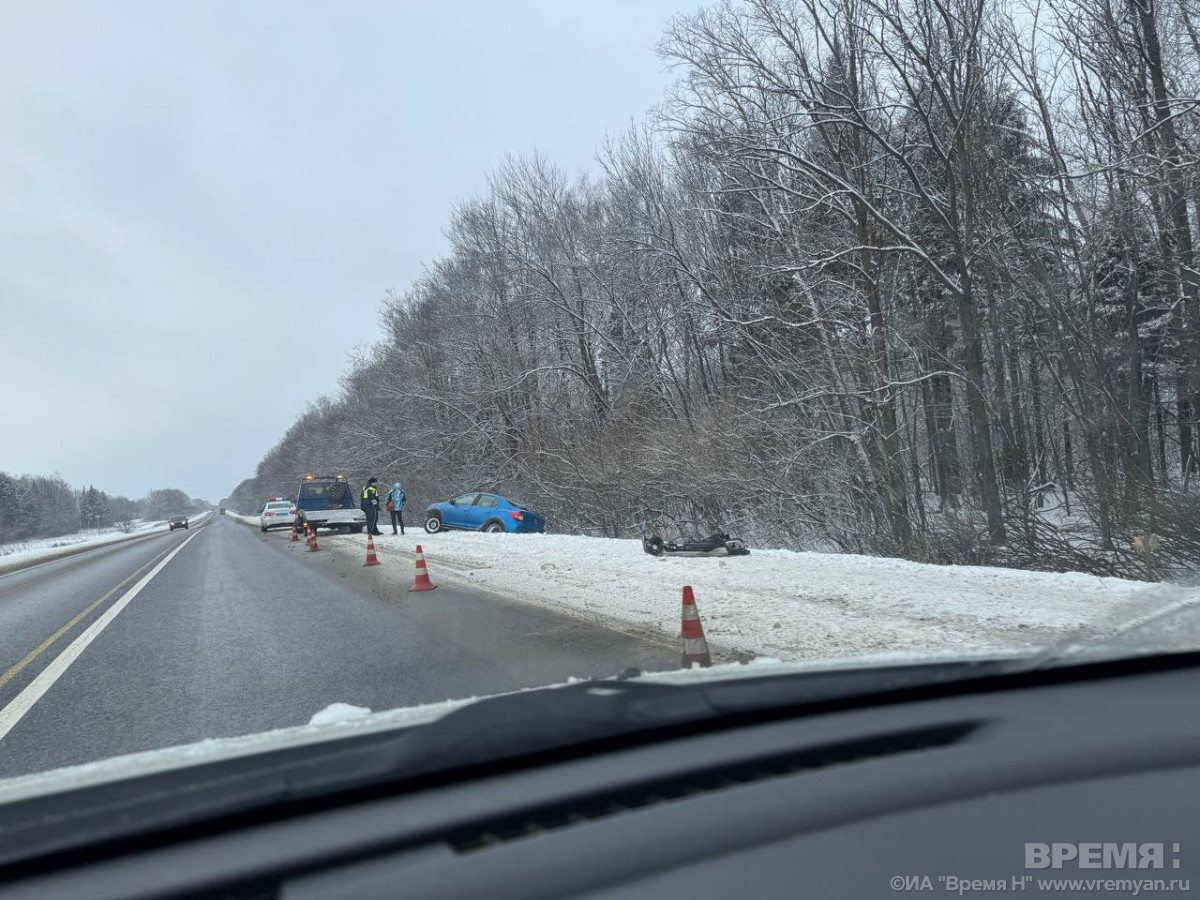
312	540
695	647
372	559
295	534
422	582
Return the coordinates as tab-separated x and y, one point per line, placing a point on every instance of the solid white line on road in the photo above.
6	677
24	701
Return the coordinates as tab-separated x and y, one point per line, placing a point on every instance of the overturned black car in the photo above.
716	544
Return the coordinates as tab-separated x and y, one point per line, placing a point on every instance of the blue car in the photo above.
478	511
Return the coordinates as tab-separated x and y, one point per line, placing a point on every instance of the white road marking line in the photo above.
24	701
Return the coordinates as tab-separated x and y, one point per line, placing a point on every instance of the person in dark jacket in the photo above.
395	505
370	505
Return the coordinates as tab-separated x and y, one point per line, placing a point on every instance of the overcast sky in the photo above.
190	192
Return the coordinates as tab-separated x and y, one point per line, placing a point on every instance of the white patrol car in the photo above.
278	513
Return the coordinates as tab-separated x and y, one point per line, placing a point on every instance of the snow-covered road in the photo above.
223	632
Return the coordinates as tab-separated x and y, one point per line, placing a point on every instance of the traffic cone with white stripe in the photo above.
695	647
312	540
372	559
422	582
295	533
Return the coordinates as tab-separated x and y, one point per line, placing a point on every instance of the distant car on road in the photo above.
178	522
479	511
278	513
330	501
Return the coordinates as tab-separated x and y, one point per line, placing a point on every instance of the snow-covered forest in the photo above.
38	506
907	277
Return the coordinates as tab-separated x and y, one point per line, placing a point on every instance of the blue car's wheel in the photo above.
493	527
433	523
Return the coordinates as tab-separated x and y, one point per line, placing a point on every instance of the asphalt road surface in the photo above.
233	635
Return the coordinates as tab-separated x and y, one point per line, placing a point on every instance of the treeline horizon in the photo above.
46	506
914	278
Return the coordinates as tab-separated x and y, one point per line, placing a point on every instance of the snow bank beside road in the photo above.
21	554
775	603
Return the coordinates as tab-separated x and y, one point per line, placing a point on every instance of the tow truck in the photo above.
330	501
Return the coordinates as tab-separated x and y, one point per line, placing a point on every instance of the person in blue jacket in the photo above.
395	505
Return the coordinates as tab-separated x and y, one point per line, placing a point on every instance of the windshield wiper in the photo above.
483	737
529	723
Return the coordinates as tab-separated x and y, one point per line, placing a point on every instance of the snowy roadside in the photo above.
774	603
22	554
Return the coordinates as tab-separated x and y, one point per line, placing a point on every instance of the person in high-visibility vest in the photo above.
370	505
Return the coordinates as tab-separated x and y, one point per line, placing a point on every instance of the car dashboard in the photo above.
915	792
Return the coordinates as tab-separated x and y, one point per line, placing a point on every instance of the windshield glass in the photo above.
806	333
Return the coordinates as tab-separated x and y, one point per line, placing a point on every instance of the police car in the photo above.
278	513
330	501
